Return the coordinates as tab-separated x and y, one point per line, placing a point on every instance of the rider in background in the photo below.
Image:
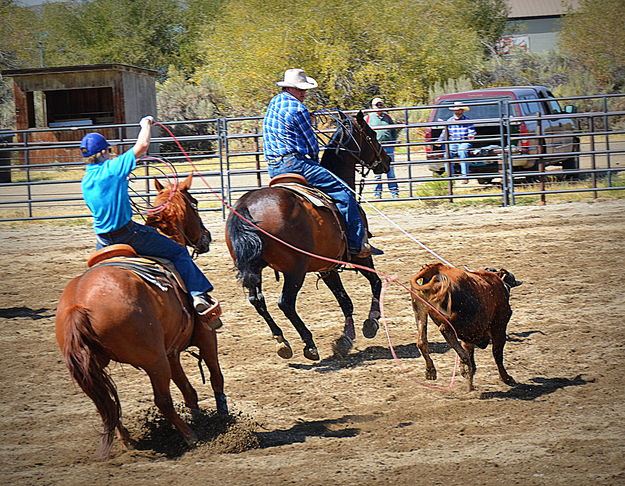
290	145
105	190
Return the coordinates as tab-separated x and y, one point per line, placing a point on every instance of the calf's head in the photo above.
507	277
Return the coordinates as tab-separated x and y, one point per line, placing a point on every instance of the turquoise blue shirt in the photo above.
105	190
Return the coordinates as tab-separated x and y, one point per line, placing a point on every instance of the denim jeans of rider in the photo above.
147	241
460	150
324	180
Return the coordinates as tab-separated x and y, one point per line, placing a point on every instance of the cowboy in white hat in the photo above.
460	134
290	145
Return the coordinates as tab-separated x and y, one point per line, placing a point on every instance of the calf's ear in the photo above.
509	278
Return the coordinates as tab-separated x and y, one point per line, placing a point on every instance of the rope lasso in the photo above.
384	277
149	210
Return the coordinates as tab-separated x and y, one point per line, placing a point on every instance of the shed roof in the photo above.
540	8
84	67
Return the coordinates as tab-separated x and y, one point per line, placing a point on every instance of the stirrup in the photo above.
212	313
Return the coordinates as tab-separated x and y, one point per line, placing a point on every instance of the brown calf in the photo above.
477	306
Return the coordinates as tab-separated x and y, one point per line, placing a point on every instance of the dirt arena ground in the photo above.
358	420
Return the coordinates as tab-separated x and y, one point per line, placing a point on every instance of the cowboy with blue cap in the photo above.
105	190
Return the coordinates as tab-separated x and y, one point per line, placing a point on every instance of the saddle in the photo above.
298	184
159	272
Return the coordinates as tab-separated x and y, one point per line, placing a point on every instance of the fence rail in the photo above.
41	180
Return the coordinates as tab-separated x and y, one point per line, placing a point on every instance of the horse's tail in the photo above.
247	247
84	357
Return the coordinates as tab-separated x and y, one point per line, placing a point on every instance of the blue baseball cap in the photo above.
92	143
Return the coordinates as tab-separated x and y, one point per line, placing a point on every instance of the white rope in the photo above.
432	252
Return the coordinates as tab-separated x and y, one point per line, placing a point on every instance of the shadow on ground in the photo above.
542	386
34	314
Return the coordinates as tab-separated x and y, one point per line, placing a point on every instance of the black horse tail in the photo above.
247	246
84	355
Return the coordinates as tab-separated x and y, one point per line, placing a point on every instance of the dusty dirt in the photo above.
358	420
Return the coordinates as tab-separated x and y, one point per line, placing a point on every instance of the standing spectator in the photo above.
461	134
385	136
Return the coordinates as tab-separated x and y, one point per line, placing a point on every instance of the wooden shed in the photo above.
78	96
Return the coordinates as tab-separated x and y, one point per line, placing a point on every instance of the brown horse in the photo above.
110	313
294	220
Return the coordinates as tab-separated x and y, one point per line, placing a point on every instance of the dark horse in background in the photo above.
109	313
291	218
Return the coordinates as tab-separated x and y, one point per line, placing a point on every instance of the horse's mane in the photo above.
172	212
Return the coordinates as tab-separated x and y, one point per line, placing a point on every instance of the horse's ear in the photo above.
158	185
186	184
360	117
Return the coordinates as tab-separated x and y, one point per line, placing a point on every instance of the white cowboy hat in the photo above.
375	101
459	106
296	78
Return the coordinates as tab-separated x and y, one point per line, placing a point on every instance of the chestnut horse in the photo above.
110	314
293	219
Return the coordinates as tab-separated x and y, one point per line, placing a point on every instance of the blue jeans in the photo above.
390	176
323	179
460	150
147	241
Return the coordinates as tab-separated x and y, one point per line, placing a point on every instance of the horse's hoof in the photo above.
283	348
349	330
191	439
215	324
342	346
222	403
508	380
370	328
196	414
311	353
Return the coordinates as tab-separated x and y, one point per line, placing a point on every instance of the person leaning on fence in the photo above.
290	145
385	136
460	134
105	190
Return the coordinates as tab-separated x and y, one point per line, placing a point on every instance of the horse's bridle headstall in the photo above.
340	145
181	231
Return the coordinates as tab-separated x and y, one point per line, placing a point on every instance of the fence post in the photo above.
593	162
257	157
449	166
27	163
222	136
606	123
541	160
507	180
408	151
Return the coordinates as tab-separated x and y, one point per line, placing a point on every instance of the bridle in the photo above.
180	229
347	136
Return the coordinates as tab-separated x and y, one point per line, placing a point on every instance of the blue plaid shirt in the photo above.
287	128
460	132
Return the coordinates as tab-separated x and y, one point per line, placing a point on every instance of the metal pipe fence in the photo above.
509	163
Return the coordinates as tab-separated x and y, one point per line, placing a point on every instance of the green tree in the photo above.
180	99
488	18
145	33
354	48
593	37
18	42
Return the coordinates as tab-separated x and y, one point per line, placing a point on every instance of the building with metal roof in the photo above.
534	25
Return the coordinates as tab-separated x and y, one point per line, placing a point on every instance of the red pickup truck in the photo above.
523	105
